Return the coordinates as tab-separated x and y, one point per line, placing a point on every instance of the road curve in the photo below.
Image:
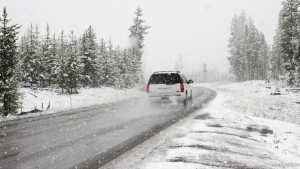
90	137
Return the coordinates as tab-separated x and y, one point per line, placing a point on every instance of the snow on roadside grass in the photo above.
255	99
32	99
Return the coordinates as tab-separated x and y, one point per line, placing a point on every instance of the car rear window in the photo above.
170	78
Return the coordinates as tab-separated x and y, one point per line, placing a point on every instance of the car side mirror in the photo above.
190	81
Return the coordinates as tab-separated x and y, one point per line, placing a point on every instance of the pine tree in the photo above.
289	35
127	57
89	54
61	72
276	60
137	34
40	60
119	70
25	58
263	59
102	63
46	60
31	57
249	53
21	53
112	67
178	64
73	66
8	63
237	47
251	50
53	61
204	72
124	67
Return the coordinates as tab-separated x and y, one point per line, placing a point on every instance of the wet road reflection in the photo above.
90	137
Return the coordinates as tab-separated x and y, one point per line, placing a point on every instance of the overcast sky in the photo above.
196	29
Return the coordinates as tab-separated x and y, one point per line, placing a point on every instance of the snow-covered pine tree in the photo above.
237	47
137	34
205	73
112	74
31	57
21	53
250	56
40	59
122	66
131	68
120	69
178	64
89	54
114	66
102	64
248	50
85	78
25	57
46	60
128	68
53	63
8	62
73	66
263	59
257	54
61	72
276	60
289	36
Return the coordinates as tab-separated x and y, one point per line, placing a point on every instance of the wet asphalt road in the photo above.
90	137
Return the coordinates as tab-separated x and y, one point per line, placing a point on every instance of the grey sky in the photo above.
196	29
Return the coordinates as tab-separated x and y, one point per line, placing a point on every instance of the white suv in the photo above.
167	84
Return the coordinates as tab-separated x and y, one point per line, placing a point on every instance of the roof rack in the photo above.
167	72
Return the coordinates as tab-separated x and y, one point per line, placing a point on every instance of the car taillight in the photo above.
181	87
147	89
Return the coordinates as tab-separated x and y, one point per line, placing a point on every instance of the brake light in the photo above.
181	87
147	89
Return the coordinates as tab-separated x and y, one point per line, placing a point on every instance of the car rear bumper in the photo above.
166	94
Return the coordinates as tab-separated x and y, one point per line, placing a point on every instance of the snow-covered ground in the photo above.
255	99
236	130
40	99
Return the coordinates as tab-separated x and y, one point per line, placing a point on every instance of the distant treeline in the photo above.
250	57
208	75
249	52
70	62
65	60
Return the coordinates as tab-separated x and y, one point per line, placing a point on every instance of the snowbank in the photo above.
40	99
254	98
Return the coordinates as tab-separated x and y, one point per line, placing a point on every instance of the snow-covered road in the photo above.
89	137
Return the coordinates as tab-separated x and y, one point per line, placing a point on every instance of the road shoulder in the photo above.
218	137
